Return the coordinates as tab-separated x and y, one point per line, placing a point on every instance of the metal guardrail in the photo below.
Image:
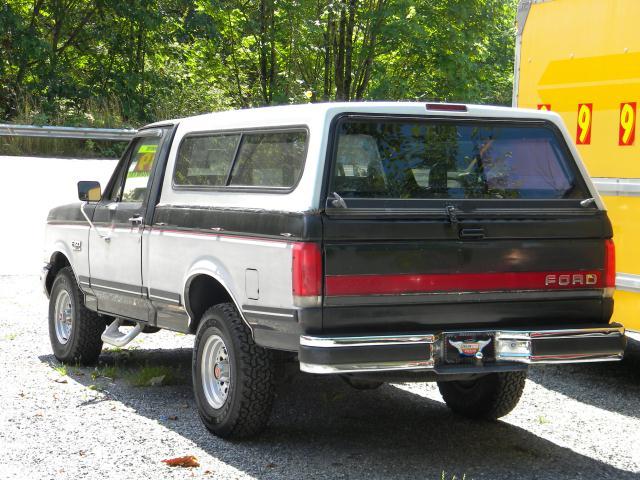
118	134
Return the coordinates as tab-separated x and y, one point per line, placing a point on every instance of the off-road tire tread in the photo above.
258	376
88	326
508	395
500	397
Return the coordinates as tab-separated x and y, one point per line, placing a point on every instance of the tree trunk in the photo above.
339	49
349	49
328	43
363	80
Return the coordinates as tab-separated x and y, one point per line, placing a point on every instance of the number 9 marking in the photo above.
627	130
583	132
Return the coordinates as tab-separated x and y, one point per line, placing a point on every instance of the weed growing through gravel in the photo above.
10	336
113	350
149	376
61	368
76	370
542	420
109	371
443	476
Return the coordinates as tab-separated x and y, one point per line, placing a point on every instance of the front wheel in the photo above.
490	397
233	378
74	330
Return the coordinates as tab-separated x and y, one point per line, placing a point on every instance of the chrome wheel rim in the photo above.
63	316
215	371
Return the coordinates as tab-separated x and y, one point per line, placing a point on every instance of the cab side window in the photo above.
133	181
205	160
269	159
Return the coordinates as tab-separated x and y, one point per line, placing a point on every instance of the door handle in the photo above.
136	219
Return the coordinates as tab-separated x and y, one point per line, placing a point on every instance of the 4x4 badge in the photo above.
470	349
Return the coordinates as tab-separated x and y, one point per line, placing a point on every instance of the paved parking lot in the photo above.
572	422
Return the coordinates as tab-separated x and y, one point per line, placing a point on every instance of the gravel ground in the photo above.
572	422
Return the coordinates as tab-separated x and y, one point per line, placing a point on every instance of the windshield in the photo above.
412	159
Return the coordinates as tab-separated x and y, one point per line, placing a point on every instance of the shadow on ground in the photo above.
323	428
612	386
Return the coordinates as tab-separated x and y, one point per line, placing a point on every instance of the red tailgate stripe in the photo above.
459	282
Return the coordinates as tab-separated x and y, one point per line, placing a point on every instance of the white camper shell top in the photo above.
317	118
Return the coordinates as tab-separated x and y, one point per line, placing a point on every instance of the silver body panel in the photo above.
59	237
172	258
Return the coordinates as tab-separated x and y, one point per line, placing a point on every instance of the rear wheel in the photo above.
490	397
74	330
233	378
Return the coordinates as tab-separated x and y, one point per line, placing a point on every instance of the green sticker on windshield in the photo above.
148	149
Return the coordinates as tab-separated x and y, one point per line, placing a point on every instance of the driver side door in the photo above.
115	253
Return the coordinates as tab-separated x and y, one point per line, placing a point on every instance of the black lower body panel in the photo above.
464	315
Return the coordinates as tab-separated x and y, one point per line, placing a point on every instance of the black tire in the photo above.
489	397
83	344
150	329
247	406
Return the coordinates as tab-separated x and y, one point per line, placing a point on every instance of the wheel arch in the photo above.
57	262
207	285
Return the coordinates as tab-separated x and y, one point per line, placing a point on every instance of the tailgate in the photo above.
406	275
450	222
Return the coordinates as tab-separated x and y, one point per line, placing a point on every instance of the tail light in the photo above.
609	267
447	107
307	274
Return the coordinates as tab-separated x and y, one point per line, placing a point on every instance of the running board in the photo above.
113	336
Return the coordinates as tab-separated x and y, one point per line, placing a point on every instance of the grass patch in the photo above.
113	350
109	371
10	336
95	113
149	376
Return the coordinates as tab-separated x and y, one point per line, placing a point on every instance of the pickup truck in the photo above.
381	242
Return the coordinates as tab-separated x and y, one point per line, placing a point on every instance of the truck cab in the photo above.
376	241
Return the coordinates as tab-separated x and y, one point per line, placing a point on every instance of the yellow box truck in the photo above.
581	59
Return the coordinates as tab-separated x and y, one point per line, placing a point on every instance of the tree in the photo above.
151	59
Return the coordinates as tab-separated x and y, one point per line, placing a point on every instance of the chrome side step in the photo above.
113	336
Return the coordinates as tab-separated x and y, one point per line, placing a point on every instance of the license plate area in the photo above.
468	348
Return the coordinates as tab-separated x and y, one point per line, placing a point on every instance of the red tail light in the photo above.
447	107
307	274
609	264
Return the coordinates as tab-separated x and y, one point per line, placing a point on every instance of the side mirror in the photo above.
89	191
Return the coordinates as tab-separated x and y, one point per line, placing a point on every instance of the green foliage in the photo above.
154	375
126	62
60	368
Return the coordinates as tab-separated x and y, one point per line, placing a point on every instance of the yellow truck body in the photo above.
581	59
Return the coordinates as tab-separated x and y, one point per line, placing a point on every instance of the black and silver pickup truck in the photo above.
382	242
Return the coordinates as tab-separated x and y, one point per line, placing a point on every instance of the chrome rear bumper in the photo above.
427	351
